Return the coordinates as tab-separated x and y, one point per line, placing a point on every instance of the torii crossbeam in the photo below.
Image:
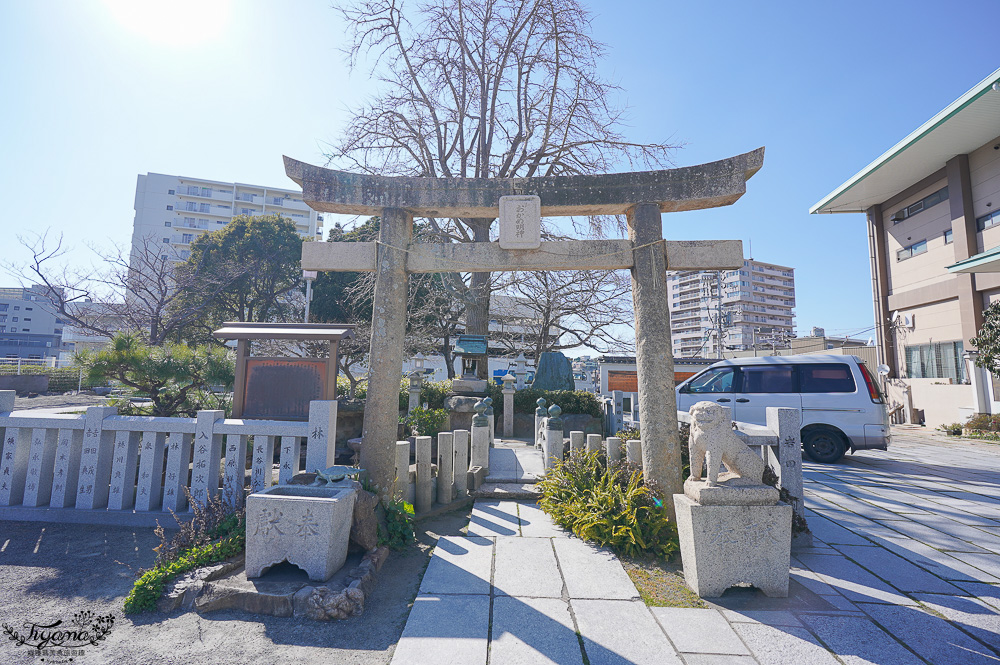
642	196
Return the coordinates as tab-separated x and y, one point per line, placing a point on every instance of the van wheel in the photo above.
823	445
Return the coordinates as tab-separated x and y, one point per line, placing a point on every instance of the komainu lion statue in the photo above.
713	441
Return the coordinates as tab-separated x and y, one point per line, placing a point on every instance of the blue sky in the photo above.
96	92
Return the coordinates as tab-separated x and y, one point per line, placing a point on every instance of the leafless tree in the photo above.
483	88
124	290
556	311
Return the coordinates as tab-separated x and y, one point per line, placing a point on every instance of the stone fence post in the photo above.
633	451
786	457
508	405
446	467
553	447
593	443
402	465
480	438
613	449
575	442
423	496
540	415
461	462
489	413
321	448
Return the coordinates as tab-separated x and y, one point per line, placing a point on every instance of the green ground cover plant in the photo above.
216	532
609	504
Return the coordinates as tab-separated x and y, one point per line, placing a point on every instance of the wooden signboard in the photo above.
628	382
281	388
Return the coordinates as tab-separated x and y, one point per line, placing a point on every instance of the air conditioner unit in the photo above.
907	321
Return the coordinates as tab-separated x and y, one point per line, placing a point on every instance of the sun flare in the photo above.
176	22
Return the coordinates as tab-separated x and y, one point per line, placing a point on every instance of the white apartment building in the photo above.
753	306
174	210
29	327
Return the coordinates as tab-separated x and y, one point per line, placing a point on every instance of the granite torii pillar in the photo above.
641	196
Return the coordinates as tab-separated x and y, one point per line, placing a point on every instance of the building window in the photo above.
187	238
3	307
14	319
947	237
26	319
941	360
170	191
986	221
166	240
921	205
204	207
912	250
166	223
170	207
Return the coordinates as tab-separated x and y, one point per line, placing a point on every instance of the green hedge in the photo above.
61	379
570	401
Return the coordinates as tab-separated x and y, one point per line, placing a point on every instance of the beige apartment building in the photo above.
932	201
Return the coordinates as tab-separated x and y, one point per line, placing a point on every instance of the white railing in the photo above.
105	468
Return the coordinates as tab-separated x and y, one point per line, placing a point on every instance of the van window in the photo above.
832	378
719	380
768	379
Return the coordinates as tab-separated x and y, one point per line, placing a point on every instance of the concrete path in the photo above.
514	461
905	569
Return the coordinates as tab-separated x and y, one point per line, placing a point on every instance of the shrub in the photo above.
344	388
984	421
954	429
433	393
570	401
398	530
426	422
610	505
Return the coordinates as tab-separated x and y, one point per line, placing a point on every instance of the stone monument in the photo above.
554	372
731	526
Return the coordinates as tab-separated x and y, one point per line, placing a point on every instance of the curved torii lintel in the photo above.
688	188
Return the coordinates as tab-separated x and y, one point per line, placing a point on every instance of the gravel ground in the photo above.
51	571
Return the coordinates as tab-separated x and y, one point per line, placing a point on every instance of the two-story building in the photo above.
931	201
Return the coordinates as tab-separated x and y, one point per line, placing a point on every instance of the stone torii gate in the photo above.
642	196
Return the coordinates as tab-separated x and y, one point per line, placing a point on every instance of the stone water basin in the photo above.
303	525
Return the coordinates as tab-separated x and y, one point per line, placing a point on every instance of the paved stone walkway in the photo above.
905	568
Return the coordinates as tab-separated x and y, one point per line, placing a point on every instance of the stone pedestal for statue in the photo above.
732	529
306	526
724	545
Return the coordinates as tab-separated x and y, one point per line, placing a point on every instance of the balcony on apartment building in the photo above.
204	193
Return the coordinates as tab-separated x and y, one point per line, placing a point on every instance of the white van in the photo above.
840	400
